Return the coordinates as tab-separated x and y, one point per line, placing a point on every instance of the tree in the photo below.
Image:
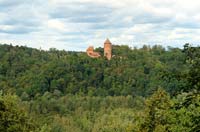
184	115
12	117
156	107
193	58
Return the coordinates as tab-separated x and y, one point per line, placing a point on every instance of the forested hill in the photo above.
150	89
139	71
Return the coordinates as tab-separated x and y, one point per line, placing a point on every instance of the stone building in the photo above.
91	53
108	49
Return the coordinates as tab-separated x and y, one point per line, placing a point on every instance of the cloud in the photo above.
20	16
56	24
79	23
16	29
79	12
5	4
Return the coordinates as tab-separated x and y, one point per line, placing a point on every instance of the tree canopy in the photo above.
148	89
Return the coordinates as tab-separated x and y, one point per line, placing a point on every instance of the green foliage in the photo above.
185	114
193	58
156	108
30	72
181	113
85	113
69	91
12	117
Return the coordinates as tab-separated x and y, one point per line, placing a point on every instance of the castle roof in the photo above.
107	41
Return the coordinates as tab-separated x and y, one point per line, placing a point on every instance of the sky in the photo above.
76	24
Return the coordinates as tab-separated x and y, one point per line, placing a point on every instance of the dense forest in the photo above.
148	89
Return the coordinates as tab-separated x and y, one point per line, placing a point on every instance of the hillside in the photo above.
141	89
130	72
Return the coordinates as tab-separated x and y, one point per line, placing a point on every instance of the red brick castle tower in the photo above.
108	49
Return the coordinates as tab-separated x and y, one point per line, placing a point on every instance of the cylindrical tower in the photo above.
108	49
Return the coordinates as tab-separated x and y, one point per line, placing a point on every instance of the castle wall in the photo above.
91	53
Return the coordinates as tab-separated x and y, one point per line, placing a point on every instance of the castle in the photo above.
91	53
107	50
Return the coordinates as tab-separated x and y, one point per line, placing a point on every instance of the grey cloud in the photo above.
21	21
77	40
7	5
89	20
145	17
111	25
78	33
14	3
117	19
186	24
18	30
171	25
10	3
20	16
82	12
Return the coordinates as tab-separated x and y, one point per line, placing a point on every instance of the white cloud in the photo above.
56	24
6	27
79	23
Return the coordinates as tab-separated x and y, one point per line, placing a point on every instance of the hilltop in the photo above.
130	72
